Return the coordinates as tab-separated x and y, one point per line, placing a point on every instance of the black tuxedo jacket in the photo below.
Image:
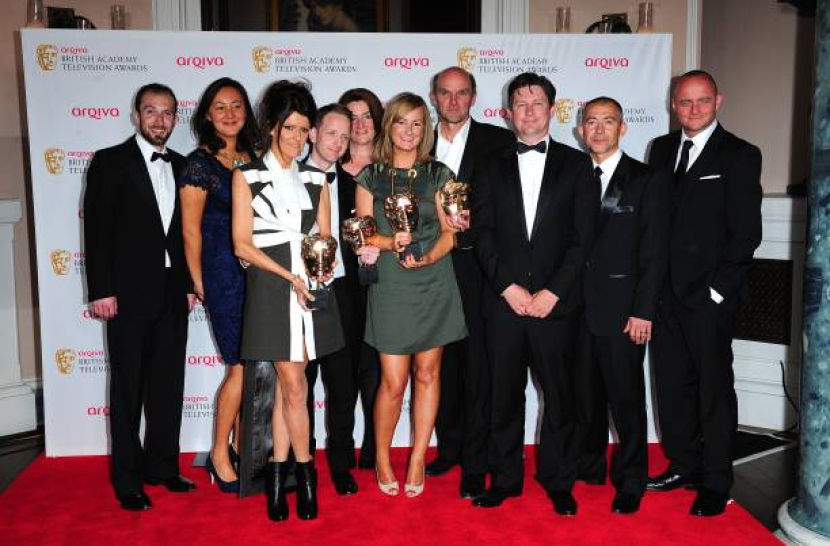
124	238
346	188
716	220
625	270
553	255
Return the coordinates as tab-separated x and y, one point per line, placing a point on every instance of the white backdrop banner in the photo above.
79	90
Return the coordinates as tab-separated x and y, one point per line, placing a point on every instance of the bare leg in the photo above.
227	411
394	376
279	428
426	388
292	380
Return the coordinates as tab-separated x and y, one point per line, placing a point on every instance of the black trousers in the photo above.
147	363
611	375
463	421
353	370
695	386
549	346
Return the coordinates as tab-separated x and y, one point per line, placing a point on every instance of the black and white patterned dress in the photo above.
275	327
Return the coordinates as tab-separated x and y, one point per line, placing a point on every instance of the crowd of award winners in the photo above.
365	243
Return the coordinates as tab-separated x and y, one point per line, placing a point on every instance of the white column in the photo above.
504	16
17	399
177	15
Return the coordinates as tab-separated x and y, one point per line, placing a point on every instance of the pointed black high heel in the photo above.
275	474
306	490
224	486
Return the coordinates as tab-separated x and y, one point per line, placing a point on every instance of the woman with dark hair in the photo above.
226	134
276	203
367	113
415	308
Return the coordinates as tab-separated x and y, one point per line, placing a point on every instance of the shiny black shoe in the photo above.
668	481
275	474
344	483
224	486
176	484
625	503
438	467
494	497
472	485
306	490
708	503
135	502
564	502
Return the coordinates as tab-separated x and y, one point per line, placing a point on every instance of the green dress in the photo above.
412	310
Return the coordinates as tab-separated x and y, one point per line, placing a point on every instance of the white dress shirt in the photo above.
531	170
164	185
450	152
608	167
334	200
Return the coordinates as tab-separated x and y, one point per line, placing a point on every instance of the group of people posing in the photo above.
568	263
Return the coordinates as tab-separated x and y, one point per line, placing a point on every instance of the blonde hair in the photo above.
399	106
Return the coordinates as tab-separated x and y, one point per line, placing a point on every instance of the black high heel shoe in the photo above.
306	490
224	487
275	474
233	455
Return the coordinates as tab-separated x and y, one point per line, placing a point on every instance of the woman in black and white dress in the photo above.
276	202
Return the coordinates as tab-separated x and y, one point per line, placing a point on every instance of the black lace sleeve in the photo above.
200	172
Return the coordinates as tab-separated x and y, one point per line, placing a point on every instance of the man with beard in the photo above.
138	282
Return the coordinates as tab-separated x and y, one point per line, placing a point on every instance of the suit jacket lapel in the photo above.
613	193
513	180
553	164
141	178
702	162
466	166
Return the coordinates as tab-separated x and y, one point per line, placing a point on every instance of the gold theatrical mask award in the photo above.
355	232
319	255
455	198
401	211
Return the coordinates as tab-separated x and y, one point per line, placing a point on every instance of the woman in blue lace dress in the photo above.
226	133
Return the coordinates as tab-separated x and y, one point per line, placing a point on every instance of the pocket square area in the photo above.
710	177
623	209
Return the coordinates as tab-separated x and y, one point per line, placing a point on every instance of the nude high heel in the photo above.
392	489
412	490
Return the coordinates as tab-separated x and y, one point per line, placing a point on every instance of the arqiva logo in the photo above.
95	113
496	113
608	63
200	62
406	63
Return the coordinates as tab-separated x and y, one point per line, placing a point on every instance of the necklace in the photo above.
236	161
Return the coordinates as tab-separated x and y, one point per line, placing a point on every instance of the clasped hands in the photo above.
107	308
525	304
400	241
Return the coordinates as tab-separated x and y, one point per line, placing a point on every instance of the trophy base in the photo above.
367	274
321	299
414	250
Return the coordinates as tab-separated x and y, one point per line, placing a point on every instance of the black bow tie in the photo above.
330	177
158	155
540	147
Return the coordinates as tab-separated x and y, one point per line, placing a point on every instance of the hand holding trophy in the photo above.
319	255
401	211
455	200
355	232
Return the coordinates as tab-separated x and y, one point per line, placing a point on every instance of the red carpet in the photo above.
69	501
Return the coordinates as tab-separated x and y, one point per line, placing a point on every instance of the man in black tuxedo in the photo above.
716	227
622	283
463	414
138	282
330	140
535	224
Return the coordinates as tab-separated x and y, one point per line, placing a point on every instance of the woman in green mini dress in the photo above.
415	308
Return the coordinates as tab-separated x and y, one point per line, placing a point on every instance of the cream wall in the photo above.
14	175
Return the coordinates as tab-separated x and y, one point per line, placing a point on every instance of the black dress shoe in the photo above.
344	483
135	502
176	484
625	503
438	467
668	481
494	497
472	485
708	503
564	503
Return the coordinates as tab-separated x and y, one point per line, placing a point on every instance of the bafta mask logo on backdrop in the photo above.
466	58
61	260
564	110
261	57
65	360
47	57
54	159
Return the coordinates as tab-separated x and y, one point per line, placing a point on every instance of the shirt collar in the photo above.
461	134
146	148
331	169
700	139
610	164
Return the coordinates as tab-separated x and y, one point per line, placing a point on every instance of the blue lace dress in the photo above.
222	276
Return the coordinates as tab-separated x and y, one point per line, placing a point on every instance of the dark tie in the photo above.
683	164
330	177
540	147
598	178
163	156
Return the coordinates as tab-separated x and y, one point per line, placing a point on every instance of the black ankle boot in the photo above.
275	474
306	490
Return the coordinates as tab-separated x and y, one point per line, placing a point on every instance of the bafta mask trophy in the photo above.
355	232
401	211
455	198
319	254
